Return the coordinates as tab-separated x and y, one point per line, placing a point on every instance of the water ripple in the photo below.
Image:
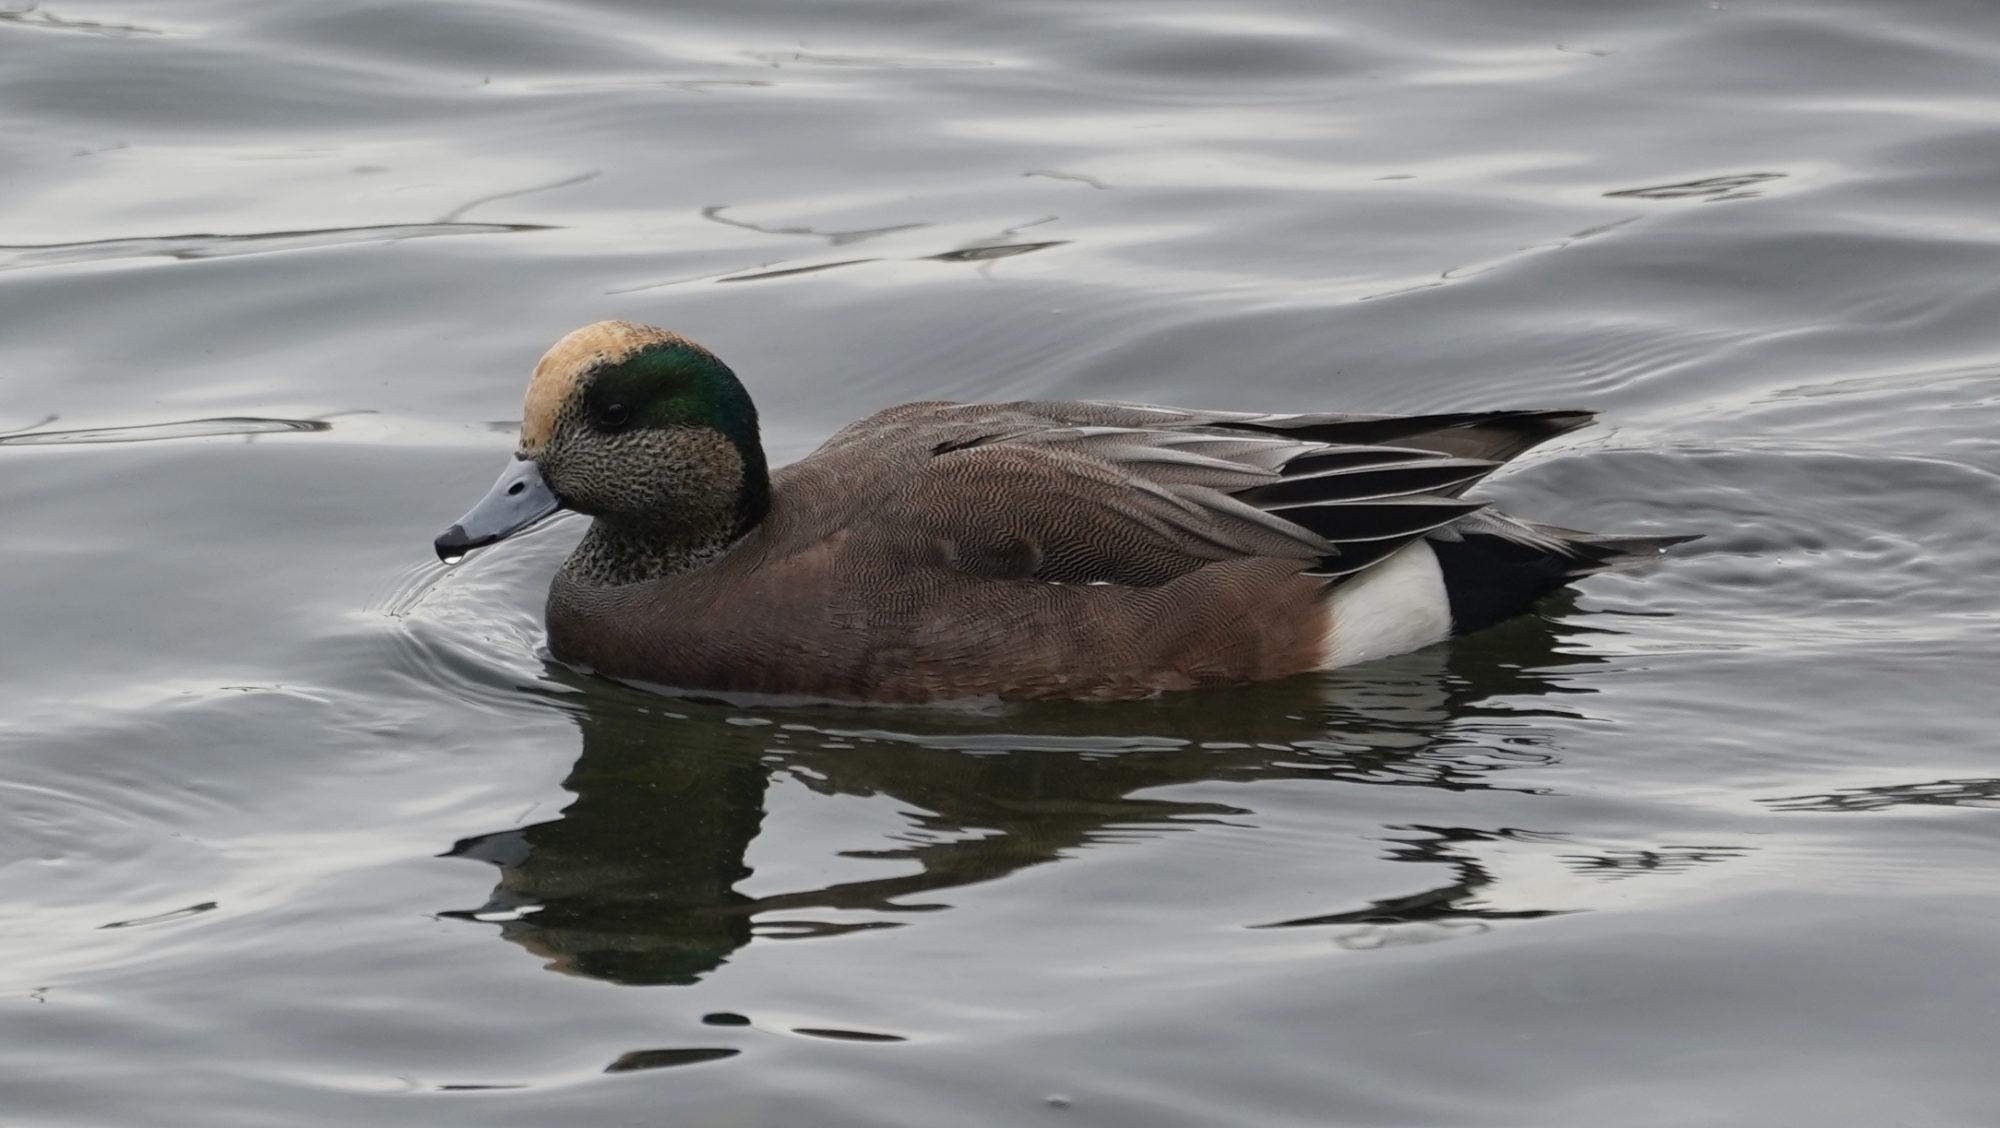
18	256
157	432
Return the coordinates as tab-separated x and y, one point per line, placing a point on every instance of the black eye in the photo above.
612	416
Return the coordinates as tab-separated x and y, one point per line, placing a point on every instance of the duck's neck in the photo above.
626	549
615	553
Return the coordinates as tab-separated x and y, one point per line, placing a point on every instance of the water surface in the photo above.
297	827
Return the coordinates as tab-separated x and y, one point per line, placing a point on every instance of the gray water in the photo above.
299	828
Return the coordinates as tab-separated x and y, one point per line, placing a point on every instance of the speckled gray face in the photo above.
652	476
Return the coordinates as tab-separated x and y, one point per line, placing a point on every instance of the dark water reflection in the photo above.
637	881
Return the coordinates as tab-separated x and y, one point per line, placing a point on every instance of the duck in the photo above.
940	552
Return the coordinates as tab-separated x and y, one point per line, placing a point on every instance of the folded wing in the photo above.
1102	493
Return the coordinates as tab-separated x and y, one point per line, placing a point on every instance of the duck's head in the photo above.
636	426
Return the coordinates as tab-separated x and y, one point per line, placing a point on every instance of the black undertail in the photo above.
1488	578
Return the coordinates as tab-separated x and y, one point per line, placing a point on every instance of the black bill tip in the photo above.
454	544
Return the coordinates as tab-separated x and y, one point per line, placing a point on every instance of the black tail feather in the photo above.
1376	520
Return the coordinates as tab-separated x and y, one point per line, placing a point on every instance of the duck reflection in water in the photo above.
637	881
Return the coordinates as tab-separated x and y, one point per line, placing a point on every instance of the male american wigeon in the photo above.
941	551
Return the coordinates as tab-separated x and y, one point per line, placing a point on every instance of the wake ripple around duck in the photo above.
472	631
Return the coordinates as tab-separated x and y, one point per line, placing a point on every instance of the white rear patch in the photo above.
1395	607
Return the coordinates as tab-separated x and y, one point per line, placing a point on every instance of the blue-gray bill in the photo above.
519	499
